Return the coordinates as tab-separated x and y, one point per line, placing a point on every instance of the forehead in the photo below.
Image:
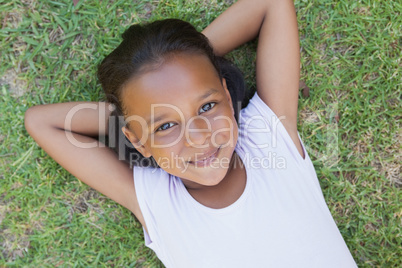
180	81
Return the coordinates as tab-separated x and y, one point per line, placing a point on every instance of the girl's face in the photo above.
181	113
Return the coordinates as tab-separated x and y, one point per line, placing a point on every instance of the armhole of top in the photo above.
303	147
305	162
139	175
147	239
263	108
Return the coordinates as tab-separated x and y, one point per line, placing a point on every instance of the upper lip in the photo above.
205	155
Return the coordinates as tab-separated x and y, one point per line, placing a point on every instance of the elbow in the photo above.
31	119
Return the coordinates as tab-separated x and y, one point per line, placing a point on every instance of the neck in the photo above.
226	192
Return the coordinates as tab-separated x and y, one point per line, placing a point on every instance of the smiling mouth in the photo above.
206	160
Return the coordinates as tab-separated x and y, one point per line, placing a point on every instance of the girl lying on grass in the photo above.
223	188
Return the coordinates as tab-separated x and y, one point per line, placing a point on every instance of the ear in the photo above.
135	142
227	93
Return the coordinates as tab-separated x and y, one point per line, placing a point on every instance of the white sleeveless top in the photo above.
280	220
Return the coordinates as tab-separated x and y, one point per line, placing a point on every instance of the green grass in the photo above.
350	54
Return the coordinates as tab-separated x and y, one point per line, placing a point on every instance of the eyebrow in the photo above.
160	117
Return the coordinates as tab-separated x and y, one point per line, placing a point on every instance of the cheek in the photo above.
225	131
171	161
166	148
164	158
170	138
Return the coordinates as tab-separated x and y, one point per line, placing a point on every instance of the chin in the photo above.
213	183
218	177
206	176
201	182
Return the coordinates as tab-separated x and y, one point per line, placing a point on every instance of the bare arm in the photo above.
278	59
96	165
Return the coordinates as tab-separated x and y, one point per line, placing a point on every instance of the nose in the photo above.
198	132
